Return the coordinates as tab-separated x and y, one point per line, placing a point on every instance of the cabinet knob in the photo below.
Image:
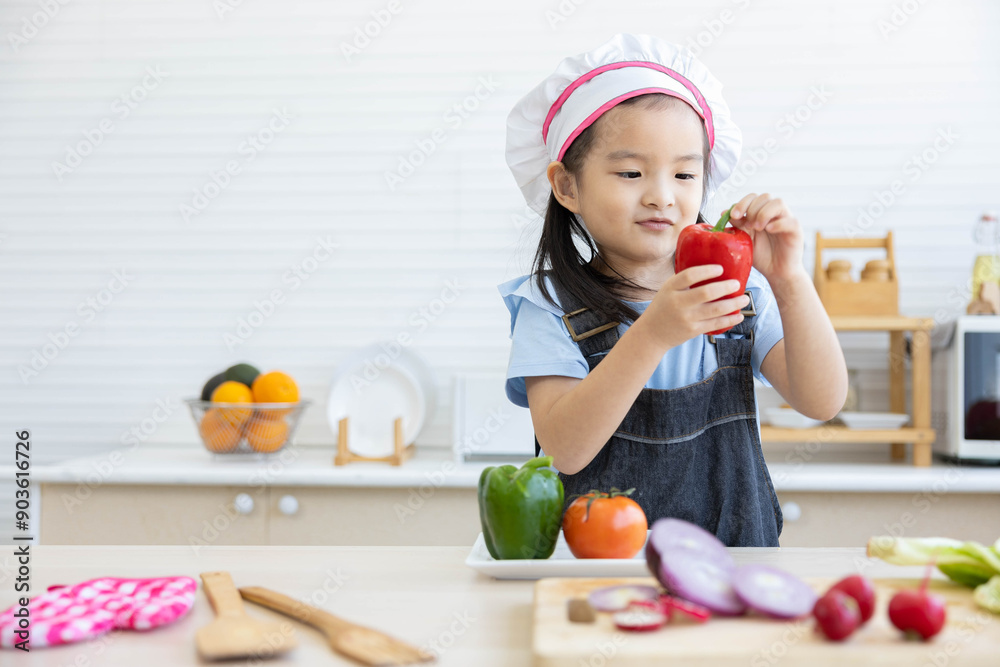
791	511
243	503
288	505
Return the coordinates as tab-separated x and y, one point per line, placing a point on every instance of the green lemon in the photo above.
215	381
244	373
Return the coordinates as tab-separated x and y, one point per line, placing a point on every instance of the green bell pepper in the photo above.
521	509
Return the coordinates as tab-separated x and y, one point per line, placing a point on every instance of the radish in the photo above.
617	598
837	615
671	604
918	613
863	592
639	618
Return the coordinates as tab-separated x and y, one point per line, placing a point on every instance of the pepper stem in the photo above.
721	224
539	462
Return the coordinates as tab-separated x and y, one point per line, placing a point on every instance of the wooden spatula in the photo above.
233	634
365	645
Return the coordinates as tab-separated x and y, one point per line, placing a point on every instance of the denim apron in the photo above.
694	452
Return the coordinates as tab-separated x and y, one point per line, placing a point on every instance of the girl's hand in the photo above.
777	236
680	312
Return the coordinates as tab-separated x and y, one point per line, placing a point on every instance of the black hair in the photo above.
558	255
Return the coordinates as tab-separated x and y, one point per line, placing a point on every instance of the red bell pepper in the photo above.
703	244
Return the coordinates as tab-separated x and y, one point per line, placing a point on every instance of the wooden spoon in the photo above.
365	645
233	634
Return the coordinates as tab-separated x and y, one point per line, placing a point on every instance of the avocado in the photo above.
244	373
215	381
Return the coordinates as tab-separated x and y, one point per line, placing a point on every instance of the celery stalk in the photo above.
968	563
920	550
987	595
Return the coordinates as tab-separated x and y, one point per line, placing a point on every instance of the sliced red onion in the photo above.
773	592
669	533
690	575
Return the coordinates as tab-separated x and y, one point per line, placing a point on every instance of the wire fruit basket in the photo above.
245	428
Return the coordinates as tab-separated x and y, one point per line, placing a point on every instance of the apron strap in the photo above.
733	347
593	333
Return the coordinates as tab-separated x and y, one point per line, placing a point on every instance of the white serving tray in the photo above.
562	563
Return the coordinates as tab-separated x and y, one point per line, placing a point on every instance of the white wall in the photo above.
459	217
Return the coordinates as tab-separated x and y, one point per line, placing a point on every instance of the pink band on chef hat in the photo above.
543	124
699	104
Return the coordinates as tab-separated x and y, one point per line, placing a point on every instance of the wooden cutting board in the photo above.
971	635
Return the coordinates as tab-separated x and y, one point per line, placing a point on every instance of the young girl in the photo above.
619	150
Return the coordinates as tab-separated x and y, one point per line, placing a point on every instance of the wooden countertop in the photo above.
424	595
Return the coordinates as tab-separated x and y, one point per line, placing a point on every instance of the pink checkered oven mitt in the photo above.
67	614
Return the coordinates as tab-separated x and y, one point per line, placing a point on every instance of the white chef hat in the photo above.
543	124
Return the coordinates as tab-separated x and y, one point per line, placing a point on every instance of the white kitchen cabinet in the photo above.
373	516
152	514
848	519
335	516
199	515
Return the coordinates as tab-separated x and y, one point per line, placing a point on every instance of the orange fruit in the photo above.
233	392
218	433
274	387
266	435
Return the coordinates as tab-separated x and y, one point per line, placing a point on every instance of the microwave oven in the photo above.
973	430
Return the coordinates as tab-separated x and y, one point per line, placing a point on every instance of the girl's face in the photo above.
640	184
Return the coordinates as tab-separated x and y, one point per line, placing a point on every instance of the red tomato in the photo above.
605	525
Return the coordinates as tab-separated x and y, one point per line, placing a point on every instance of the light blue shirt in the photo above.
541	345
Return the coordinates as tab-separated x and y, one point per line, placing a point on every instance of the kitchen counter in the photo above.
185	495
313	466
423	595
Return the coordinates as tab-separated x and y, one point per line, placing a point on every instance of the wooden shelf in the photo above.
920	435
881	323
844	434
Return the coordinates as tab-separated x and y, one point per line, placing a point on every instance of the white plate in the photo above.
789	418
372	387
562	563
873	420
